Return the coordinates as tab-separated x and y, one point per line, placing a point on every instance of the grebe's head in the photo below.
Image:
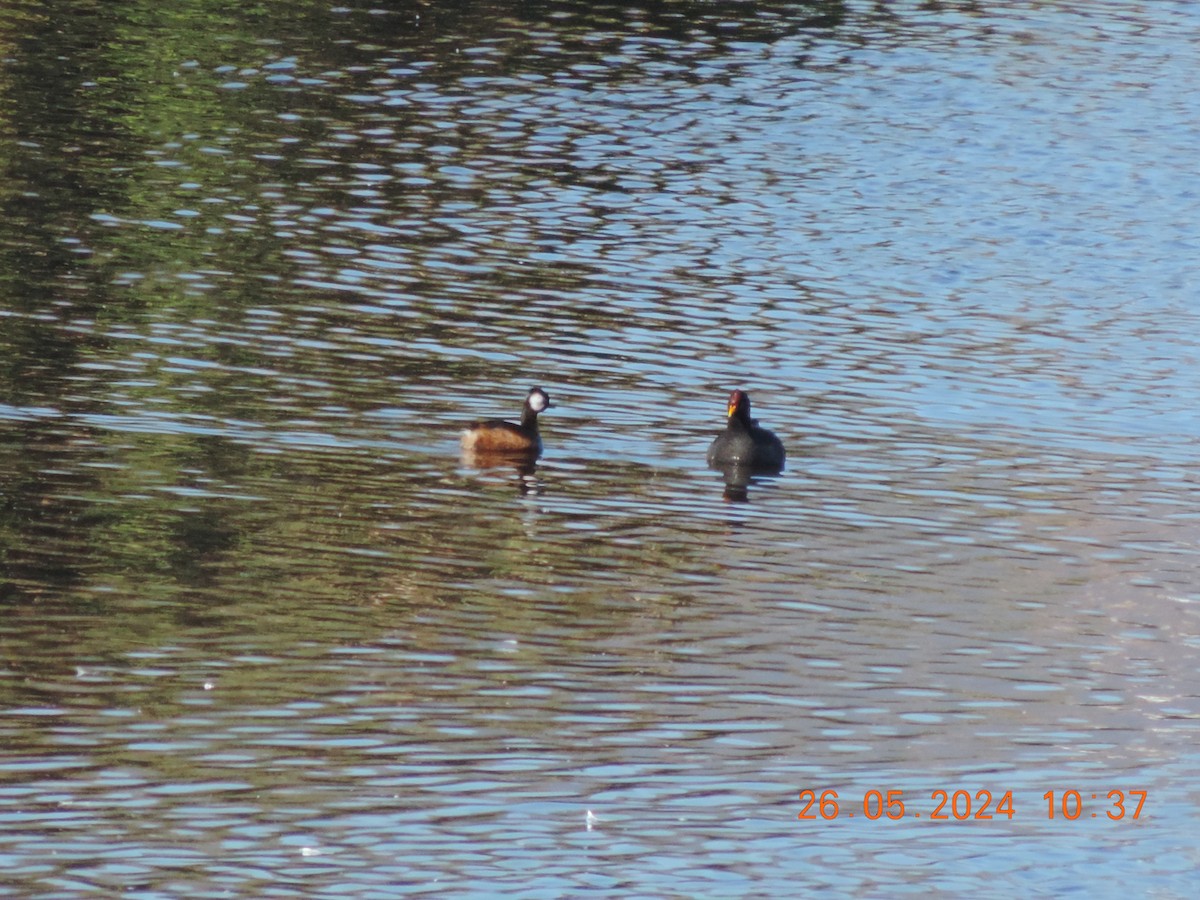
537	400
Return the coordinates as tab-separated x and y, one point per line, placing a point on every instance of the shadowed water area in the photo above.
263	631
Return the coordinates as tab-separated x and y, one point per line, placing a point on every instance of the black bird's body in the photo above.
745	443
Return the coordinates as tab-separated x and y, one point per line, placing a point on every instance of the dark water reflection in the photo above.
264	631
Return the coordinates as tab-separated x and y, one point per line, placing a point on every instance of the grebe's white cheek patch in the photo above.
539	401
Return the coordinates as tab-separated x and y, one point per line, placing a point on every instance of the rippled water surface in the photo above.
264	633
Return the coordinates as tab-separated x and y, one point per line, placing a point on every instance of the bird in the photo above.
496	436
745	443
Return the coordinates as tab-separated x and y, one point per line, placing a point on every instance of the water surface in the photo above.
265	633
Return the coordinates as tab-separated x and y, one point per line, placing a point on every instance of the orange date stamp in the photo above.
962	805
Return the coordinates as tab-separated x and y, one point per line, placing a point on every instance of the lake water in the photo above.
264	633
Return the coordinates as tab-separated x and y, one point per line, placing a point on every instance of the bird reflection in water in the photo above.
738	479
501	466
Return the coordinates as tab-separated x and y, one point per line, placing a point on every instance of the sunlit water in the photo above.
265	633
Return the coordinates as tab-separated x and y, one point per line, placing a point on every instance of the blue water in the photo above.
264	633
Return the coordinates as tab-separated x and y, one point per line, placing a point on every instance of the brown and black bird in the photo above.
498	437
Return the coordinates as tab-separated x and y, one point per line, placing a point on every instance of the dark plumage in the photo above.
744	442
500	437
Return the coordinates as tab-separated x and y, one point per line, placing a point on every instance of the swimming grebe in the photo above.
500	437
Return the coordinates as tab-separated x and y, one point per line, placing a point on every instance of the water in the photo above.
264	633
